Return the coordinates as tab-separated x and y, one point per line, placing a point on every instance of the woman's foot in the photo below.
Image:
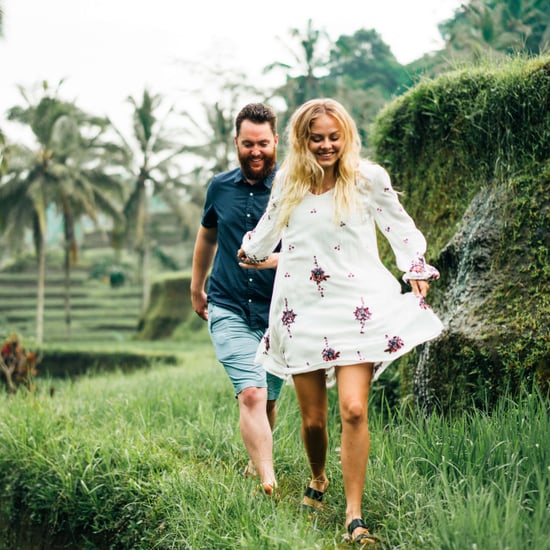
357	533
313	495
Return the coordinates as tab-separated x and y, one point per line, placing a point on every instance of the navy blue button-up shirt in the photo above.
234	207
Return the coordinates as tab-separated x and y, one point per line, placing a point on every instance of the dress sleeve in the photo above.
259	243
406	240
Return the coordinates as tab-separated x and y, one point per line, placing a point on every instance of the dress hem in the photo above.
380	365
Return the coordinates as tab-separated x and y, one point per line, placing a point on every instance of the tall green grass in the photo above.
153	460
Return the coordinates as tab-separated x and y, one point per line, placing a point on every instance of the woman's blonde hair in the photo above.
300	172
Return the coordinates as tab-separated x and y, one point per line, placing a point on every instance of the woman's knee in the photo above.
354	412
314	422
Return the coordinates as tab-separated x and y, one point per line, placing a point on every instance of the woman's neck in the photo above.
326	184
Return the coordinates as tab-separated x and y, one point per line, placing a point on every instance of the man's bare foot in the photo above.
250	470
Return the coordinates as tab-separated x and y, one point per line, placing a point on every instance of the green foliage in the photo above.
447	136
152	460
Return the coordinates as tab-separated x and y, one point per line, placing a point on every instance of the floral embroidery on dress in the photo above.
329	354
362	314
394	343
318	275
423	304
288	318
266	342
417	266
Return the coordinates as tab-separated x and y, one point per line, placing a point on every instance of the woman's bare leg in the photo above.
311	392
353	395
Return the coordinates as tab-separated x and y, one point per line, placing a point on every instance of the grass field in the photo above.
153	460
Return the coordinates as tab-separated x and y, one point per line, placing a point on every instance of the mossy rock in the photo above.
469	150
169	309
493	301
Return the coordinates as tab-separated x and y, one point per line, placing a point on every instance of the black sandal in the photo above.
362	538
314	495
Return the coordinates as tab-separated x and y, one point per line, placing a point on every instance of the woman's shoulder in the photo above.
372	174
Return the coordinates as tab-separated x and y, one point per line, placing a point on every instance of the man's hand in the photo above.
200	304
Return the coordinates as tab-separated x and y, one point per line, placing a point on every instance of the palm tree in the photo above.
22	204
502	27
151	164
63	169
311	60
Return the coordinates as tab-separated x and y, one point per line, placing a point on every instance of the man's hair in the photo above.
257	113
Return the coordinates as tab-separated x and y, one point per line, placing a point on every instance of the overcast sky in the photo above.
107	50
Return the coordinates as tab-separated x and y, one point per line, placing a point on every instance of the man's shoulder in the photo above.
233	175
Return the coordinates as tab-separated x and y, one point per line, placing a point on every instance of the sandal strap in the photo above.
313	494
357	522
354	524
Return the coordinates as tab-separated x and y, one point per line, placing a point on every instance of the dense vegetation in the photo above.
469	150
152	460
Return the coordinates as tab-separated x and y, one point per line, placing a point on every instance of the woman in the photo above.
337	312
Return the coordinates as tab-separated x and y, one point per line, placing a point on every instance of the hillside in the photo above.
99	311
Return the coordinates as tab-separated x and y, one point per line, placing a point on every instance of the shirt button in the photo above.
249	300
251	194
250	280
248	215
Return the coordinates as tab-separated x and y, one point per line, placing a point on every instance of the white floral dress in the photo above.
334	302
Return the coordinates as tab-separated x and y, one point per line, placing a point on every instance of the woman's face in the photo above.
325	140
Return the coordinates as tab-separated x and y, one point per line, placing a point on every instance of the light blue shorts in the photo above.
236	344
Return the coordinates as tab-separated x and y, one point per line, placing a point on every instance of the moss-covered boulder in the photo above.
169	307
471	152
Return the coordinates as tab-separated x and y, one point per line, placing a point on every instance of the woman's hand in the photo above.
270	263
420	287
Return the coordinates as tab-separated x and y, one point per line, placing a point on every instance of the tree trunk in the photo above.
67	285
70	251
41	282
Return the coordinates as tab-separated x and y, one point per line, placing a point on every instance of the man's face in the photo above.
256	149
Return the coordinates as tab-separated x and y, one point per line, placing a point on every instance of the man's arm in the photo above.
203	255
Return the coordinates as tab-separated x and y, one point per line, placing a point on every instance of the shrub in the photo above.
17	364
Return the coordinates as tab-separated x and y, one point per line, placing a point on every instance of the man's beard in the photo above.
255	175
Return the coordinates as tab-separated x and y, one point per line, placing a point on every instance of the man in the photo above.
237	305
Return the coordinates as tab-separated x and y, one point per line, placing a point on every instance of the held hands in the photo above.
270	263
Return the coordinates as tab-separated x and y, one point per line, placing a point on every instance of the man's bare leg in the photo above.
271	410
256	432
